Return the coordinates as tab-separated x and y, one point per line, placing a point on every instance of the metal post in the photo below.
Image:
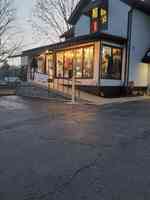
73	85
49	86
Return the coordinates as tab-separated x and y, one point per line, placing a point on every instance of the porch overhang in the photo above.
146	58
77	41
36	51
87	39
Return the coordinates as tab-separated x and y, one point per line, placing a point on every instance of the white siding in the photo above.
140	42
118	18
117	21
83	26
24	60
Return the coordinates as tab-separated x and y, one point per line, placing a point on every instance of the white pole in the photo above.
73	85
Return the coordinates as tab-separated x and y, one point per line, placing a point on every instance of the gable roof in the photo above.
83	7
77	11
143	5
37	50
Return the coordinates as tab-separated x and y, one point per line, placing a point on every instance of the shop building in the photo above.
107	48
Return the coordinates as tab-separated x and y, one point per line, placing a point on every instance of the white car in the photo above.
12	79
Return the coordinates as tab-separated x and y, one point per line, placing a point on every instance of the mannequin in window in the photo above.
110	67
34	67
116	65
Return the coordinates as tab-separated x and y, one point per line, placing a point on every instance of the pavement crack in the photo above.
61	188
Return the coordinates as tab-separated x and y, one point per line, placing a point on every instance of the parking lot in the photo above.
55	151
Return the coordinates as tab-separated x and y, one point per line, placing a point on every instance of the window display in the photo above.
41	64
80	58
88	62
50	66
78	62
111	62
68	63
59	64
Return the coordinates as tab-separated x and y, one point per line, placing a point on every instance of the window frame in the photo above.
83	60
100	25
112	47
43	68
82	67
64	60
56	75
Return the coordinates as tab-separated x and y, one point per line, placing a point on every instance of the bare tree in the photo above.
7	30
50	17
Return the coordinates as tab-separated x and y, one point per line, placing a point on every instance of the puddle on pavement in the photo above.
12	103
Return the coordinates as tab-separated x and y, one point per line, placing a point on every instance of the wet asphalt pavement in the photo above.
62	152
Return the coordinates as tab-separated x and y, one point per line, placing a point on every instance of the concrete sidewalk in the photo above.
95	100
86	98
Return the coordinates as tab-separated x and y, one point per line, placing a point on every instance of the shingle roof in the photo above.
139	4
76	41
77	11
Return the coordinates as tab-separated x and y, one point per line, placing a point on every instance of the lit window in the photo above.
111	62
78	62
68	63
88	62
81	59
103	16
41	64
59	65
95	13
99	19
50	66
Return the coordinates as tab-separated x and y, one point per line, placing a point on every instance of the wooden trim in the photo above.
113	47
73	49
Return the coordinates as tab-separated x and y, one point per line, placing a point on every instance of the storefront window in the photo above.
50	66
111	62
88	62
59	64
78	62
68	63
81	59
41	64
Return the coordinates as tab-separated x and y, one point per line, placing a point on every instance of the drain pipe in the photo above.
128	48
129	37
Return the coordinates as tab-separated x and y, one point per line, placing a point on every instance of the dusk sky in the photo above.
24	12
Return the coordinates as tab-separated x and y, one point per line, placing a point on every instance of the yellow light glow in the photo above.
95	13
103	15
